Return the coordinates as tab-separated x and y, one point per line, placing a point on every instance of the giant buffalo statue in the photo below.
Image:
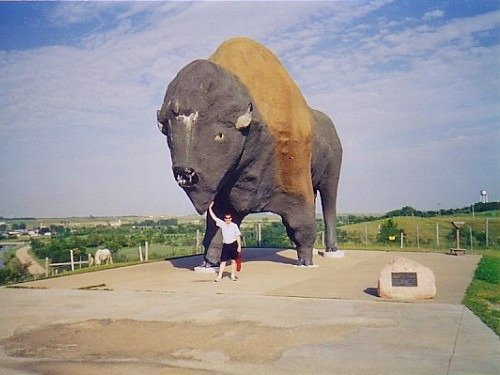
241	134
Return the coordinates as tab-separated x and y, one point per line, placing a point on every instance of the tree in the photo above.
389	231
13	269
16	226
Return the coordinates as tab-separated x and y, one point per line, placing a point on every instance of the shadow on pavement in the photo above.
371	291
249	255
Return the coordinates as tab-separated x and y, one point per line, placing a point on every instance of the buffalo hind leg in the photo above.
301	229
329	207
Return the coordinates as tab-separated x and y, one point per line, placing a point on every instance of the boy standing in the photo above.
231	238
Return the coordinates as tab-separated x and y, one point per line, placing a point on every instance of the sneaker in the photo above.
217	279
234	278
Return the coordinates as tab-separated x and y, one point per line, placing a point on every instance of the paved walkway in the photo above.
163	318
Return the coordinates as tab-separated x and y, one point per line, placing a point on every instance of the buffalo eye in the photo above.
220	137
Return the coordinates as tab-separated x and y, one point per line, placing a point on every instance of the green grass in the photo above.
156	252
427	232
483	294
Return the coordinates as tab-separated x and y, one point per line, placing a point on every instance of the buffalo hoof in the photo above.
331	249
207	264
207	267
304	262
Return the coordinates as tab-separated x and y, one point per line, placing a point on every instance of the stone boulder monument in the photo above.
241	134
405	280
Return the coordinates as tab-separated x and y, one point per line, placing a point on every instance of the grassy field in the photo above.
156	252
422	233
483	294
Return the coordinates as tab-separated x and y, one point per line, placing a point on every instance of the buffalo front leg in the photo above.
212	242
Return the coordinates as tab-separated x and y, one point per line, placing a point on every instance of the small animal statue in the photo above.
241	134
103	255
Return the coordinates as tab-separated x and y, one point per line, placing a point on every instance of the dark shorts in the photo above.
229	251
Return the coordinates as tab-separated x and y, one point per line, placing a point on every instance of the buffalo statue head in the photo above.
205	116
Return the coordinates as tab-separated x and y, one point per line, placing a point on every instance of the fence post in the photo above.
458	238
470	236
197	240
437	235
366	235
72	260
140	253
487	234
146	251
46	267
402	239
259	234
418	239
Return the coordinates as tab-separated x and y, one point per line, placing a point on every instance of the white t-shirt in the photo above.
230	232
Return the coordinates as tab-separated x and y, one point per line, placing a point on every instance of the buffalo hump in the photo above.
282	106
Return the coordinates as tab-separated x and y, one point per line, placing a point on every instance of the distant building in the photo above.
42	231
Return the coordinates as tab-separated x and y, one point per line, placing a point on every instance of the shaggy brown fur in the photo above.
281	105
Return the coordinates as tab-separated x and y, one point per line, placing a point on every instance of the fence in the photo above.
53	268
273	234
427	235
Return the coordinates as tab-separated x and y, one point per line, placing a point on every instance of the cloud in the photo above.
106	90
123	69
421	97
402	92
433	14
103	14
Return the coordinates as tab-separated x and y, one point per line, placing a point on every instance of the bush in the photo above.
13	270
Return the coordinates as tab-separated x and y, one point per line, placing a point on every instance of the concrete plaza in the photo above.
163	318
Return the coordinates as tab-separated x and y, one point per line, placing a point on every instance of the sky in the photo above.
412	87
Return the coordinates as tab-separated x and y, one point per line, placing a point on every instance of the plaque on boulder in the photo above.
405	279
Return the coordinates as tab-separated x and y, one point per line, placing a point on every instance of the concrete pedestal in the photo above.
311	266
201	269
334	254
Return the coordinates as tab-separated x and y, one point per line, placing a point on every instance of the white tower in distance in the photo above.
484	196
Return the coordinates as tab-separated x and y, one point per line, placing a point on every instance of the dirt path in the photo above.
33	267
